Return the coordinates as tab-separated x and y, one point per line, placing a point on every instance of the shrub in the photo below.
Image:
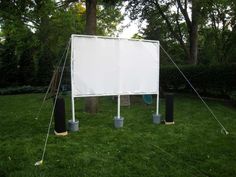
26	72
233	97
216	80
22	89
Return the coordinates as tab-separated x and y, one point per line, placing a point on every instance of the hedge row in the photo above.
219	80
214	80
21	90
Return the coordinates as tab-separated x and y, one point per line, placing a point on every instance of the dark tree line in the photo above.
34	35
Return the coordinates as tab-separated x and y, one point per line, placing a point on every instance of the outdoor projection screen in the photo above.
111	66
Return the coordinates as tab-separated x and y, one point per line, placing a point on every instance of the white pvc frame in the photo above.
118	96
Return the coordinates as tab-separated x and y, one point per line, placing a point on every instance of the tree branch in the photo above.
186	4
178	37
178	25
185	14
213	20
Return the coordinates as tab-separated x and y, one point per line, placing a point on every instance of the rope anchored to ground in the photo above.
199	96
50	122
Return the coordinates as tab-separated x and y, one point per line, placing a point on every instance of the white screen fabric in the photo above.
111	66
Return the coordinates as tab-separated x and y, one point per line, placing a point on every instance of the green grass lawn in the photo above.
194	146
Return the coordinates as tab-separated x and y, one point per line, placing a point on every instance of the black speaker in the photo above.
169	107
59	116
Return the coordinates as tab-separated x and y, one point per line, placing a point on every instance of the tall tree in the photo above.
173	13
217	36
192	28
91	103
107	25
91	19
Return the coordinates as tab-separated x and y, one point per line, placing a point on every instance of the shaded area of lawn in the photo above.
194	146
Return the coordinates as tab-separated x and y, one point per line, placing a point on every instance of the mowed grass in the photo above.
194	146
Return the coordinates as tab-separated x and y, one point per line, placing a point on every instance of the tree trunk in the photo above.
193	46
91	103
91	19
193	34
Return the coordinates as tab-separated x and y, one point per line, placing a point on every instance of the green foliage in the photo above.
45	66
108	18
195	145
8	67
216	80
39	31
216	34
26	68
